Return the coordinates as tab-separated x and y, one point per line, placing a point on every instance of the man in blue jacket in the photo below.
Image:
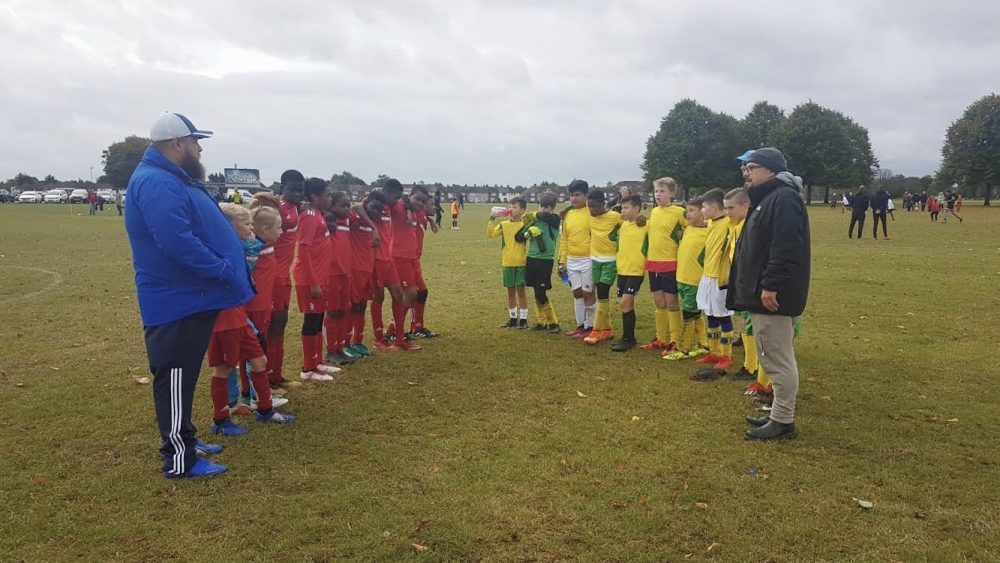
189	265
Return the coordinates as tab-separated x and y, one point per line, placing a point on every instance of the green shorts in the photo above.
604	272
687	295
513	276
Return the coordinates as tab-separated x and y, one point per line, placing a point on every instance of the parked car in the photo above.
55	196
78	195
107	195
30	197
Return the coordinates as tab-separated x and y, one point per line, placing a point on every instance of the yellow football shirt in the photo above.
574	239
602	248
666	225
632	247
513	253
691	255
716	247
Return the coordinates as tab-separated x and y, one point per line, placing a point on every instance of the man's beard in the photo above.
194	168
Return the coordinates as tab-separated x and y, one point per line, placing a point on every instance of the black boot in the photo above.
623	345
758	421
743	375
773	430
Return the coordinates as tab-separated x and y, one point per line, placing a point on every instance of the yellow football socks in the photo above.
701	332
602	321
675	322
662	324
687	334
750	353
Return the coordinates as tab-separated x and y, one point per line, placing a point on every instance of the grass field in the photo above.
496	445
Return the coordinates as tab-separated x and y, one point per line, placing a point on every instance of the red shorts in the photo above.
418	270
230	347
385	273
281	296
406	269
306	302
362	286
339	296
261	320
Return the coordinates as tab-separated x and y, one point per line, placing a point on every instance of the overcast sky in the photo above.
510	92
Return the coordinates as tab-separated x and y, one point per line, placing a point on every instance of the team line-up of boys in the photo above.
684	250
341	258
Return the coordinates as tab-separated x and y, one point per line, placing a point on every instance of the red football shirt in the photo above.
361	244
284	249
404	235
340	249
264	274
312	263
384	226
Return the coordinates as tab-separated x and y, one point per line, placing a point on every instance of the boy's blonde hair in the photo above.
234	212
666	183
265	217
739	195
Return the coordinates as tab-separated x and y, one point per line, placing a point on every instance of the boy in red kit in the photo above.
292	190
341	265
423	205
312	276
365	242
386	277
267	228
232	343
404	258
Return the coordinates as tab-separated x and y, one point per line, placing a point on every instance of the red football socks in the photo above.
220	399
275	358
263	389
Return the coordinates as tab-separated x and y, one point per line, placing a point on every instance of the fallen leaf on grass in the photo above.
18	384
952	420
53	368
419	548
702	505
423	524
410	383
142	380
635	419
601	378
715	545
866	504
580	394
826	398
619	504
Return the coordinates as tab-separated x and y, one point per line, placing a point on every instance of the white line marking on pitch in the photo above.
56	281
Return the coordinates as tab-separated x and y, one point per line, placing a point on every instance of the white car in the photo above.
107	195
55	196
244	195
30	197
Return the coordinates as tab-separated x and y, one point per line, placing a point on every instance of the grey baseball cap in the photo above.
175	126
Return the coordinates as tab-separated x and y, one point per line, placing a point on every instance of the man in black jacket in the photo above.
770	278
880	206
859	207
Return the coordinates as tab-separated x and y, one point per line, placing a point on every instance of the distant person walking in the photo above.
859	208
880	208
189	264
438	210
461	200
120	201
92	200
769	278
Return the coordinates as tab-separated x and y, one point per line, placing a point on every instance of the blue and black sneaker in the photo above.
201	448
228	428
201	468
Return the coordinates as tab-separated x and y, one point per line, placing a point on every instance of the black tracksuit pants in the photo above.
859	219
876	217
176	351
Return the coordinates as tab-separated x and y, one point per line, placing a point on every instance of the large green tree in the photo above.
23	179
345	179
121	158
826	148
970	155
695	146
760	126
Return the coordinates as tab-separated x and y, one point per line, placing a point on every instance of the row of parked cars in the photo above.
57	196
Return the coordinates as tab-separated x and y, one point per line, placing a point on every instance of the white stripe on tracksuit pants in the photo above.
176	351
